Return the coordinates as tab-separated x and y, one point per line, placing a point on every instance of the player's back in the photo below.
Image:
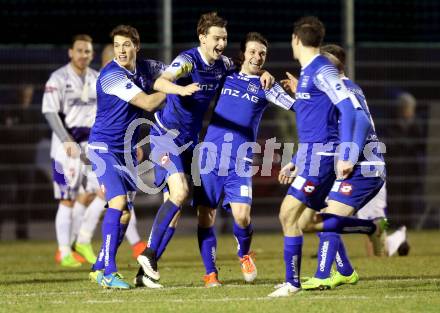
115	87
372	137
316	113
186	113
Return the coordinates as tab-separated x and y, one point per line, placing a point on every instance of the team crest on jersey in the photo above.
164	159
129	85
175	64
338	86
309	188
253	88
346	188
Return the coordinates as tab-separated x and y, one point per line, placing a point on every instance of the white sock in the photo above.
395	240
132	233
63	223
91	220
77	218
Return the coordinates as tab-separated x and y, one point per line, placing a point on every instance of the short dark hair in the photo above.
126	31
337	52
310	30
208	20
252	36
82	37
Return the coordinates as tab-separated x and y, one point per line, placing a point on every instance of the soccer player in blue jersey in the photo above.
201	70
351	193
326	115
124	90
228	153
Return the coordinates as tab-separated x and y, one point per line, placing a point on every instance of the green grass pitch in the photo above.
31	282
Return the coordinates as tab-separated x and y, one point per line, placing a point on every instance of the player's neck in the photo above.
77	70
307	55
205	56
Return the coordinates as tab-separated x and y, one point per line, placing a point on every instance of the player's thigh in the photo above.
178	188
291	210
338	208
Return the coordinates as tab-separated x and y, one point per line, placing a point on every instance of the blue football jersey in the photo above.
185	114
319	89
372	137
115	87
238	113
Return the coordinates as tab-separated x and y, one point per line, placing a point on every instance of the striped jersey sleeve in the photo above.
181	66
327	80
278	96
117	84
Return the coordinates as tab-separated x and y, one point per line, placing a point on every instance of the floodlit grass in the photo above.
31	282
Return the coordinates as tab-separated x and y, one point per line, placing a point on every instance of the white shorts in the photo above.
376	207
71	176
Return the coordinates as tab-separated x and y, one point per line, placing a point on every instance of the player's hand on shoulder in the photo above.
287	174
344	169
188	90
267	80
72	149
290	83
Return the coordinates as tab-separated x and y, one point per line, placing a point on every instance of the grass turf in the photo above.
31	282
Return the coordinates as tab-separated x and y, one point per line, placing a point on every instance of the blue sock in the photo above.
163	218
110	238
164	243
328	246
244	239
122	230
208	247
347	225
343	264
292	259
99	264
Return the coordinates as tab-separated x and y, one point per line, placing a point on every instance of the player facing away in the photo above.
190	82
124	90
326	115
69	105
228	154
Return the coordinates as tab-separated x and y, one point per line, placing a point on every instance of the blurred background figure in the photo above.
405	141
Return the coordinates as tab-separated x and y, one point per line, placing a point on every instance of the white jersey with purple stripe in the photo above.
186	113
238	113
115	87
74	98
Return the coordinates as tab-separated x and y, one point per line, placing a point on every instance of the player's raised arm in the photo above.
148	102
180	67
278	96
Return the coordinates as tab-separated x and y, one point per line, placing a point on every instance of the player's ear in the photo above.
70	52
202	38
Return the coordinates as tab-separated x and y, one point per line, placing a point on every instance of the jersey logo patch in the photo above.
49	89
338	86
253	88
128	85
304	81
175	64
346	189
309	188
164	159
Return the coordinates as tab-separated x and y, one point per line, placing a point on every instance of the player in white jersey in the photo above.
69	105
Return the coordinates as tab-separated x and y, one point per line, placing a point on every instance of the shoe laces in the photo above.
246	262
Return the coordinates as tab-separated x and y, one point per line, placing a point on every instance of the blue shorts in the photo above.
113	175
222	181
167	155
315	179
357	190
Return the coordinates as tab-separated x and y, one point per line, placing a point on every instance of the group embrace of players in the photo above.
337	169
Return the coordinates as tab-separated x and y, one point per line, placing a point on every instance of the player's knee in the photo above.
242	216
67	203
125	217
205	216
288	215
118	203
